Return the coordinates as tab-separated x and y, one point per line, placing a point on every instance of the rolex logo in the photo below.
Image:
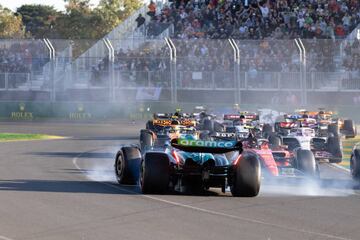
80	108
22	107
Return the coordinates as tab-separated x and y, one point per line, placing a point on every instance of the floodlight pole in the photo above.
111	57
302	54
237	85
173	69
52	58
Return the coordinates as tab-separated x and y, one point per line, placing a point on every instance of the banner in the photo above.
148	93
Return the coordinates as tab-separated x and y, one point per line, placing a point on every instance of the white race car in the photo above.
329	148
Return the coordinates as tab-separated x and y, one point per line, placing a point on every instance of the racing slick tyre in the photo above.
349	128
247	177
334	147
127	165
277	127
274	141
208	125
267	130
306	163
150	125
146	139
218	127
154	173
204	135
355	165
334	129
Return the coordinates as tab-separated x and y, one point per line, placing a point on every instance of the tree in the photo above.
78	22
38	19
82	21
10	25
113	12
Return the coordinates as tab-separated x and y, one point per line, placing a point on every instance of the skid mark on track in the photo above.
206	211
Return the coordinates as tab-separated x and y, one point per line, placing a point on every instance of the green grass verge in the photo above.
5	137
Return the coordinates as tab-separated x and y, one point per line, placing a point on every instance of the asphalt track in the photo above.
65	189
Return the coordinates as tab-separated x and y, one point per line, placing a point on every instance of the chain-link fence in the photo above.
179	70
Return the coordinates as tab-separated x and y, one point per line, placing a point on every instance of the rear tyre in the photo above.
349	128
146	139
247	177
274	141
150	125
267	130
218	127
306	163
334	129
334	147
127	165
154	173
208	125
355	165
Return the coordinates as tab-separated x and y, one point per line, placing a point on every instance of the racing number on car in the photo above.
225	135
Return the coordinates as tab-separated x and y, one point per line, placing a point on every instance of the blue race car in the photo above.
187	163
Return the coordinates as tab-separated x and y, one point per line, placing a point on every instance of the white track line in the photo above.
339	167
250	220
5	238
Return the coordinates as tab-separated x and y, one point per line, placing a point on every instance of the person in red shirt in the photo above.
340	31
152	9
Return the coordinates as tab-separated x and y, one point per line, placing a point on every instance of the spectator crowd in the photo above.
22	57
259	19
263	29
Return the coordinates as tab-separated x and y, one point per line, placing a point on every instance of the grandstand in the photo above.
238	51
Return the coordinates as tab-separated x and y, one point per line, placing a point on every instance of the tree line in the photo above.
80	20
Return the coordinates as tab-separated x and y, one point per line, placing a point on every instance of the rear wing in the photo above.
202	146
161	115
189	122
162	122
287	125
247	116
232	116
224	135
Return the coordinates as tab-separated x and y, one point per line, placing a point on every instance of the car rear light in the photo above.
177	158
237	160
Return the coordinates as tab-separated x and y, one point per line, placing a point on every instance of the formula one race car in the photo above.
328	121
329	148
187	163
277	159
161	120
149	138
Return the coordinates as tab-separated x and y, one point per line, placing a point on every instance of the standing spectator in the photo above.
152	9
140	20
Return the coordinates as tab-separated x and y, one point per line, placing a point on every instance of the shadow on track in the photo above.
116	138
62	186
28	185
91	155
